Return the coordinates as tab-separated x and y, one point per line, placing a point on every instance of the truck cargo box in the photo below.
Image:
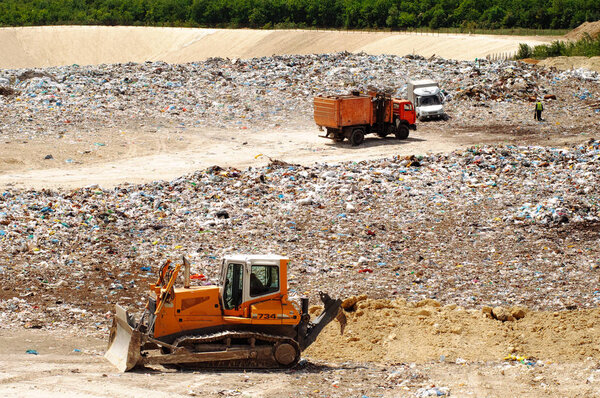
344	110
353	116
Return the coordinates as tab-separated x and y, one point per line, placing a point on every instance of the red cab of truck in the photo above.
352	116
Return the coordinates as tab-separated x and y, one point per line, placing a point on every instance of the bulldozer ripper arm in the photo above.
309	331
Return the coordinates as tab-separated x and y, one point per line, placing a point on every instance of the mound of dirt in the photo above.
564	63
586	28
397	331
531	61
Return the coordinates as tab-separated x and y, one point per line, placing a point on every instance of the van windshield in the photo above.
429	100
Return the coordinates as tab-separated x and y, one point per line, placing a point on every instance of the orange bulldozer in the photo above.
246	321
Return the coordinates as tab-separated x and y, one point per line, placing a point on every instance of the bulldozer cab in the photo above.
248	279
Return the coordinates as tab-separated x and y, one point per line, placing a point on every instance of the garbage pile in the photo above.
491	225
547	165
509	86
262	92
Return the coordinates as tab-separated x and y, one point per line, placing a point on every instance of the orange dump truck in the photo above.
352	116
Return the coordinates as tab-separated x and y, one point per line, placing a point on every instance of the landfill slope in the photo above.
35	47
486	226
470	249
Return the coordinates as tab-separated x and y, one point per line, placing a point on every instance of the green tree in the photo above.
438	18
351	14
493	17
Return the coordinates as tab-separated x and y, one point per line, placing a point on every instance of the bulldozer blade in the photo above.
124	343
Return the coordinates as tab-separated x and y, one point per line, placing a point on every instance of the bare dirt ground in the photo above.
450	348
113	156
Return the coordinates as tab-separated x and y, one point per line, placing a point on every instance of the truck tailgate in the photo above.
327	111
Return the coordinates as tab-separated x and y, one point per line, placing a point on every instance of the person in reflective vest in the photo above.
539	107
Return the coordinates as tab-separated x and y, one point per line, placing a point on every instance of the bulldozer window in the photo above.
232	294
264	279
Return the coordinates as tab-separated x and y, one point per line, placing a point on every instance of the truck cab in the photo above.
404	110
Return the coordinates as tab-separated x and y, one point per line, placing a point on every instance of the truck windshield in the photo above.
429	100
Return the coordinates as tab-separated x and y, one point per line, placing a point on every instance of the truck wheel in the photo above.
402	132
357	137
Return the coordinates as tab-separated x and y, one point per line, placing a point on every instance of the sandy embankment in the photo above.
29	47
562	63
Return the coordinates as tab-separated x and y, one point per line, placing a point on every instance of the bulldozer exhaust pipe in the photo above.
186	273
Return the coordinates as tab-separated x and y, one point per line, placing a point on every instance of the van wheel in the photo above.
357	137
402	132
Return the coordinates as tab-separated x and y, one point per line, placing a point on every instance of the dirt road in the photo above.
113	157
110	158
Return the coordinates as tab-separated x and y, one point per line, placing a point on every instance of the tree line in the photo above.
339	14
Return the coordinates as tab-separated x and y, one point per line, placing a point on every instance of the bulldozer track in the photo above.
284	352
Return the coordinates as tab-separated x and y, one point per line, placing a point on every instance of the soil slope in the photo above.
587	28
45	46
